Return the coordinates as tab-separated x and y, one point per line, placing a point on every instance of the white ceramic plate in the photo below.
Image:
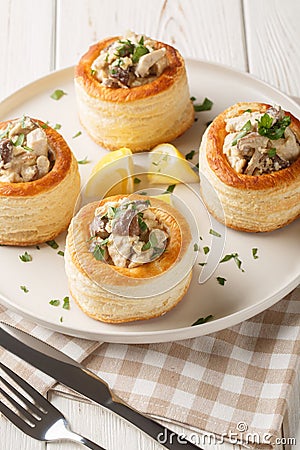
265	280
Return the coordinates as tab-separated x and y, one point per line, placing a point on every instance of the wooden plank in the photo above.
112	432
198	28
273	36
12	438
26	38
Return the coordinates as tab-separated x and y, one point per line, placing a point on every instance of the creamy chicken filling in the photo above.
127	233
130	61
259	143
25	154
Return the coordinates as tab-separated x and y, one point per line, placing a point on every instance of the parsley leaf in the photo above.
61	253
58	94
83	161
196	247
136	180
54	302
275	131
146	246
190	155
205	106
53	244
214	233
24	289
236	259
66	303
254	253
221	280
171	188
206	250
202	320
139	51
272	152
77	134
26	257
98	253
244	130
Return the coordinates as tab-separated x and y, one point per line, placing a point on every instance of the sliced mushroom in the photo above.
148	60
252	141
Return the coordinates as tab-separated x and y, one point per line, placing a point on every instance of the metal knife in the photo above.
72	374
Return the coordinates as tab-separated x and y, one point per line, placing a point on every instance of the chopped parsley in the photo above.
146	246
19	141
98	252
214	233
61	319
58	94
244	130
221	280
57	126
272	152
53	244
139	51
196	247
206	105
236	259
142	224
24	289
247	110
77	134
171	188
202	264
202	320
54	302
254	253
190	155
206	250
93	72
66	303
136	180
275	131
45	125
27	148
83	161
26	257
61	253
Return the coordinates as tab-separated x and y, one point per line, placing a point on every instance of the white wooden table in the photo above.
39	36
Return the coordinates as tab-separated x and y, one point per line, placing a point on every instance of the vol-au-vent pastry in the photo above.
250	167
39	182
128	258
132	91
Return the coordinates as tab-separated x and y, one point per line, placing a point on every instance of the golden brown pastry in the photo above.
250	167
133	92
128	258
39	182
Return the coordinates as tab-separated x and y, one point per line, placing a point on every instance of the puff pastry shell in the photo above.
245	202
114	294
139	117
37	211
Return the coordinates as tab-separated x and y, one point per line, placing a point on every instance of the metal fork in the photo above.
38	417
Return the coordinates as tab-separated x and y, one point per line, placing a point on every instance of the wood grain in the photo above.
26	42
273	36
198	28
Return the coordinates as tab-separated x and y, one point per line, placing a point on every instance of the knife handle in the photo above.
169	439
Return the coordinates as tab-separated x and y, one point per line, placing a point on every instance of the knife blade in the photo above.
69	372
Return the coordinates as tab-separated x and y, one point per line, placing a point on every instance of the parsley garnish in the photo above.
190	155
193	99
93	72
196	247
53	244
248	110
24	289
61	253
275	131
98	253
57	126
19	141
139	51
77	134
45	125
142	224
202	320
205	106
66	303
206	250
26	257
61	318
136	180
236	259
272	152
59	93
171	188
83	161
244	130
54	302
146	246
254	253
202	264
214	233
221	280
27	148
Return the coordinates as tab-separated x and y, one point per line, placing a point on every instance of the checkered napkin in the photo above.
239	382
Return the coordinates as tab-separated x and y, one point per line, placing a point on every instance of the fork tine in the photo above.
31	391
14	418
27	402
19	407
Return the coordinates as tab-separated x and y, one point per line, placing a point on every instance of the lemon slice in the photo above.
167	198
168	166
112	175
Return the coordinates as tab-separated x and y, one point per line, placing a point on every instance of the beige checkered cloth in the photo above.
245	374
